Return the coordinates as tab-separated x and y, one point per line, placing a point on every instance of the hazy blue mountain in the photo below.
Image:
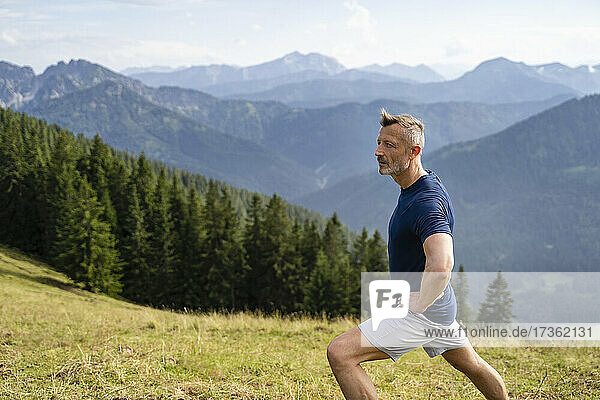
198	77
238	88
358	74
128	121
243	119
339	141
584	78
494	82
15	83
259	85
154	68
318	93
62	78
420	73
525	198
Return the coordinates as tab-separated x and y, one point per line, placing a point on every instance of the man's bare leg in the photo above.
345	353
485	378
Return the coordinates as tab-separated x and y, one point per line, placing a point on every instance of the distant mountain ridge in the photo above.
56	81
492	82
223	80
310	85
420	73
199	77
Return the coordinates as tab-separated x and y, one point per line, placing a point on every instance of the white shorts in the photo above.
398	336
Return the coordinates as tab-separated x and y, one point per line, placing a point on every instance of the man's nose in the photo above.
378	151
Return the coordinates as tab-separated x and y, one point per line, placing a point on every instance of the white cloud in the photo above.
361	20
257	28
5	37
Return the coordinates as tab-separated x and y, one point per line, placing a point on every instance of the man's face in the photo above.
392	154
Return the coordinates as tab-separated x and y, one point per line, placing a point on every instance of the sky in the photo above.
450	36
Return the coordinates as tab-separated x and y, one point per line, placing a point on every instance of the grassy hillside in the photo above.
59	342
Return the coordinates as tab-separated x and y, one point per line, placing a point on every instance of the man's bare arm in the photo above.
439	261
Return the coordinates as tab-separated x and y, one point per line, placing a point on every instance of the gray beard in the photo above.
395	169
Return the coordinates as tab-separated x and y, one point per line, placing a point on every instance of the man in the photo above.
420	241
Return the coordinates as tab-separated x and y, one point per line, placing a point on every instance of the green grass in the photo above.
59	342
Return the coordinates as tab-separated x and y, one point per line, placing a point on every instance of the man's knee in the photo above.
338	351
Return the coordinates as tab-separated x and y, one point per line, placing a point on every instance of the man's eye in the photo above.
389	145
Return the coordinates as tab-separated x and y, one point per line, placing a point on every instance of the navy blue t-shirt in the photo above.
424	208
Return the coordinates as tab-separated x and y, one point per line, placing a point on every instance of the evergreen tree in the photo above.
224	259
497	306
143	179
61	194
378	258
254	242
310	244
162	255
33	207
137	273
118	178
360	262
323	292
86	247
360	251
179	215
461	291
192	275
275	247
293	273
309	247
335	248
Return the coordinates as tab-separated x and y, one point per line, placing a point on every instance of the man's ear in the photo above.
415	151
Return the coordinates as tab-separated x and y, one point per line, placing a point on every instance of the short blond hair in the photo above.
413	132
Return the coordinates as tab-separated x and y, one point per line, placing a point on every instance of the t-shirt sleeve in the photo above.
431	217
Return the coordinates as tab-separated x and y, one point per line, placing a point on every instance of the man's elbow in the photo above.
442	265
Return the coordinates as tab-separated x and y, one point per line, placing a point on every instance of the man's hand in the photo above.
413	303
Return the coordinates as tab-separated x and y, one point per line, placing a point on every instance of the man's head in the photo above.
399	144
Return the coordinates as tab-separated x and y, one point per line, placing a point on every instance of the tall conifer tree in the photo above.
497	305
162	255
86	247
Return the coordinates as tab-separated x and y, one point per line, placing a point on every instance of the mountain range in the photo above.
315	80
307	149
525	198
492	82
221	80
